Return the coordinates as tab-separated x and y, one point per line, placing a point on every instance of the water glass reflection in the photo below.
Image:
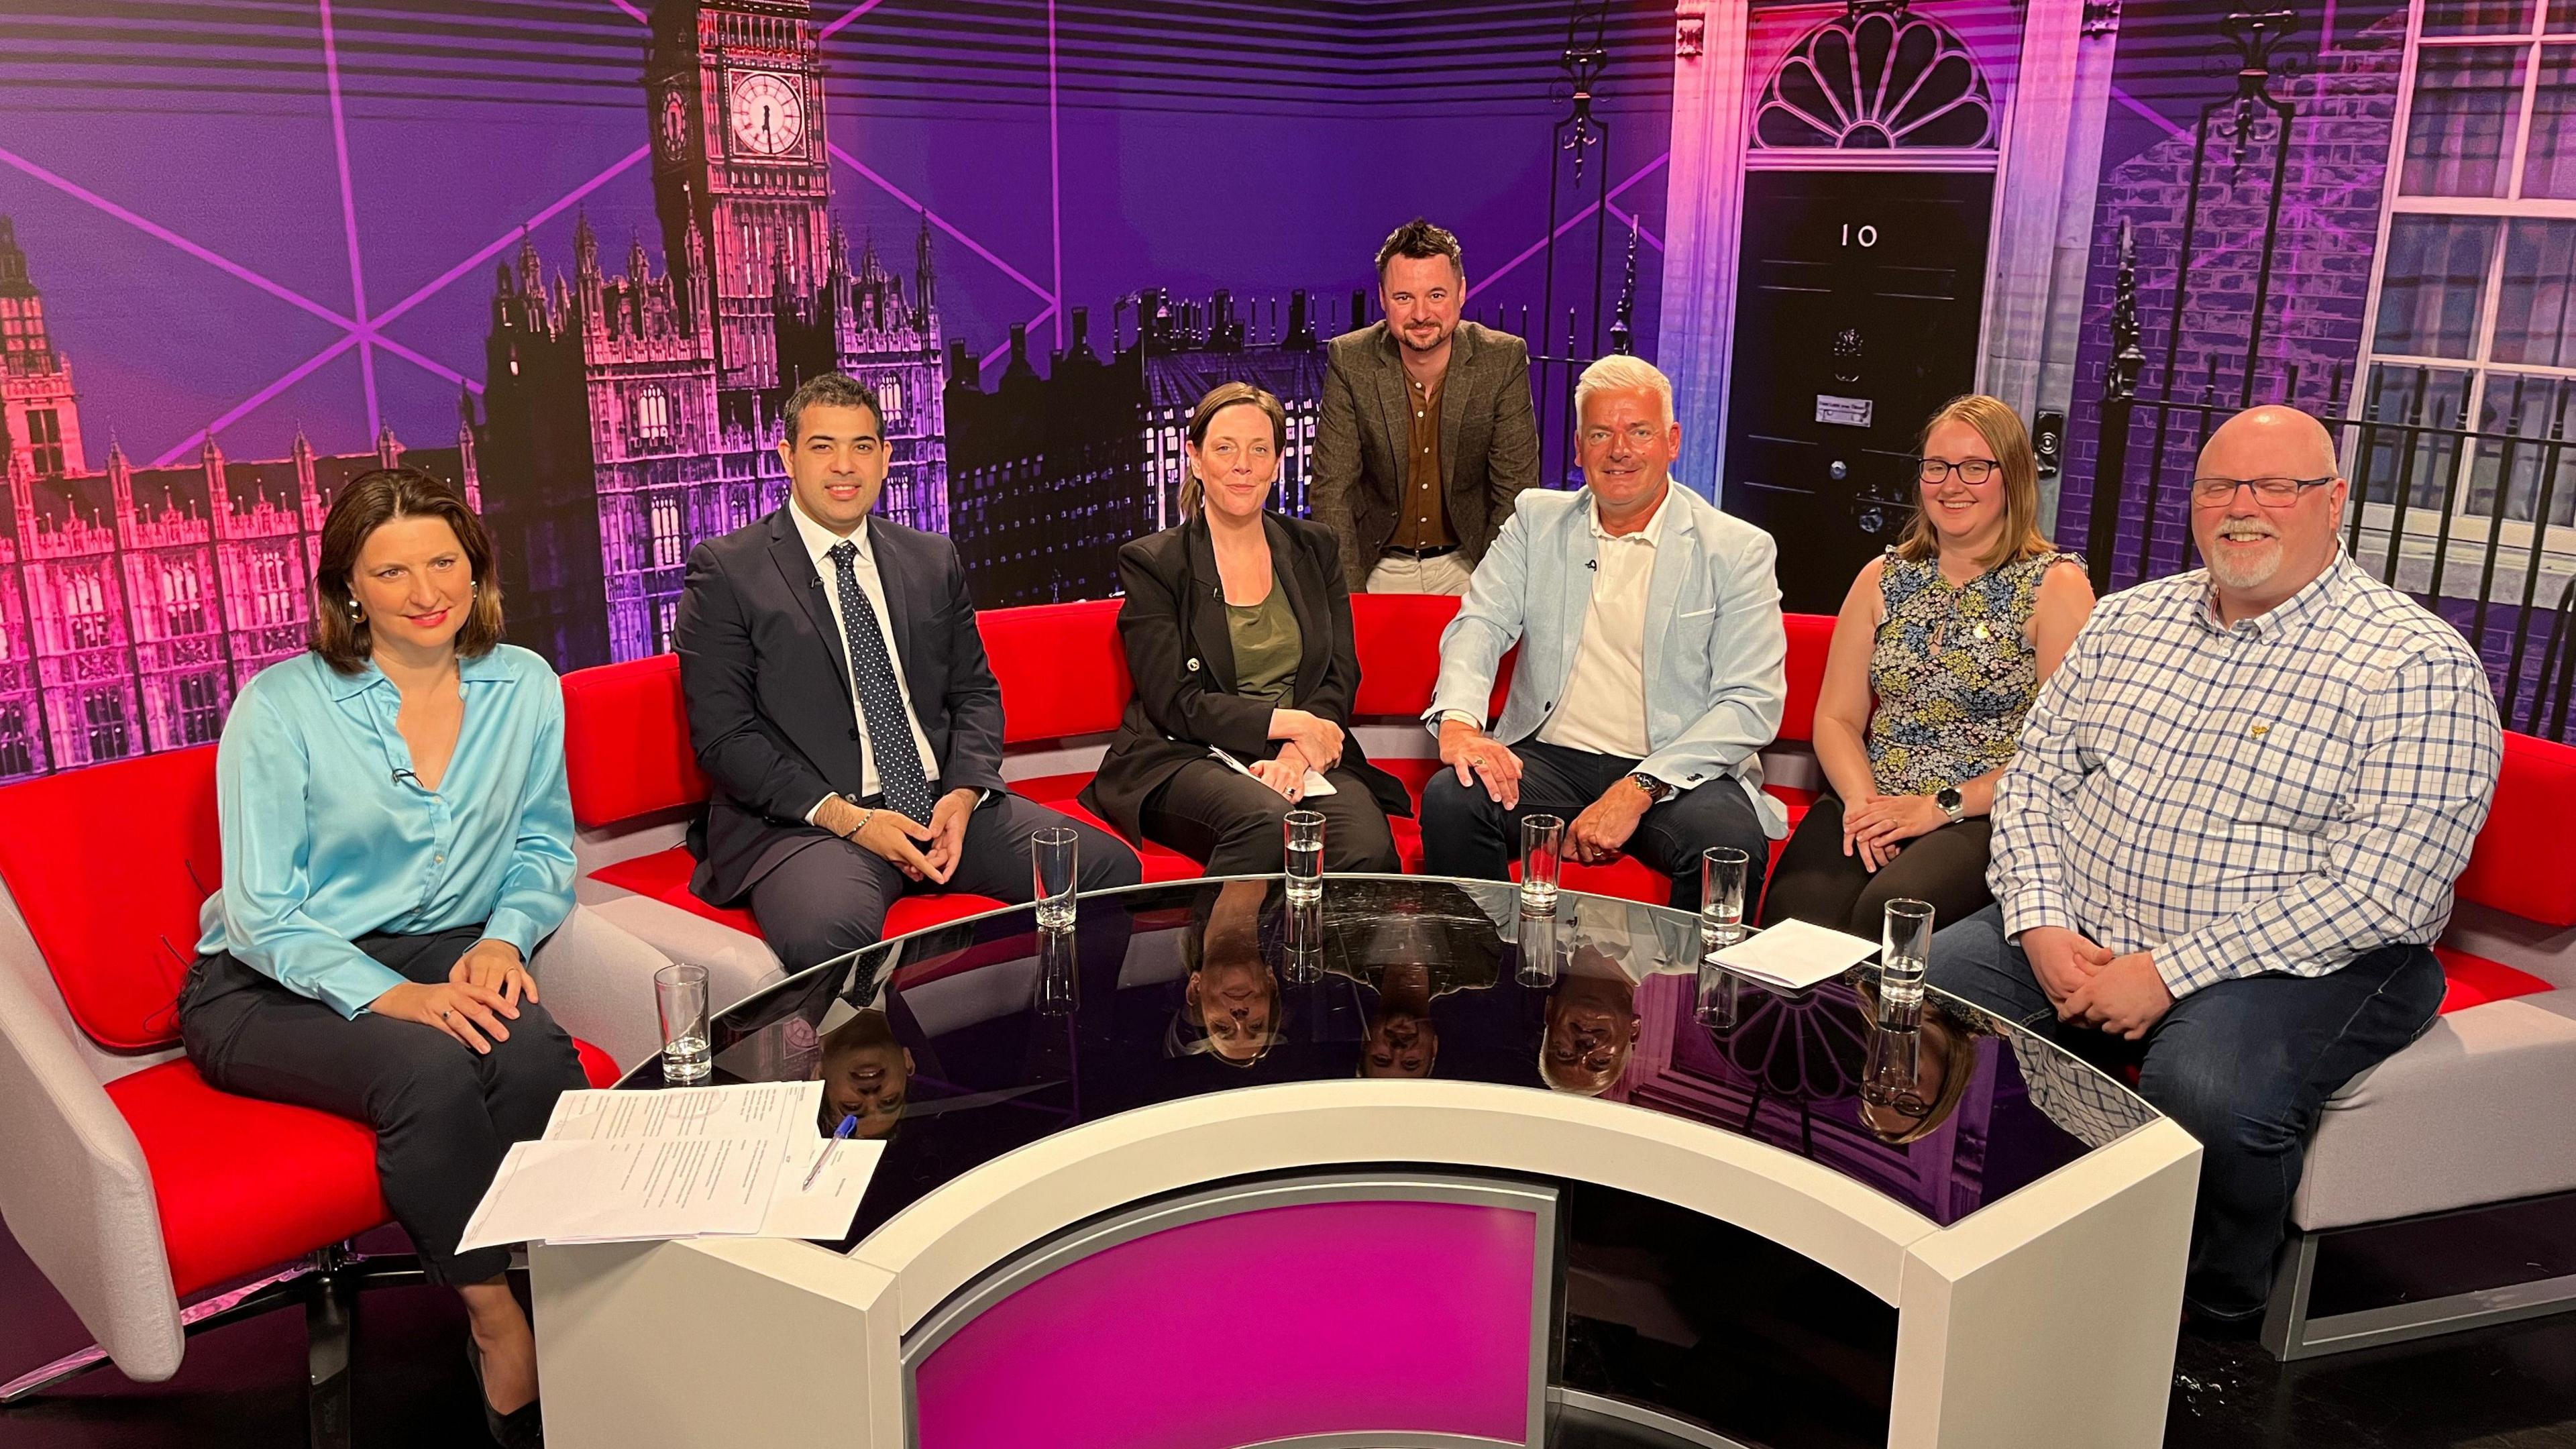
1539	937
1302	953
1059	977
1719	998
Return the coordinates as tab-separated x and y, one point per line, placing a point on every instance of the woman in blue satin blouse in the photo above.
397	838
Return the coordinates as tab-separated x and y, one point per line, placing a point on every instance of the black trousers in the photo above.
1464	833
444	1115
830	898
1819	884
1234	822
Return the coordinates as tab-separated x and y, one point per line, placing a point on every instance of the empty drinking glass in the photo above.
680	995
1054	854
1304	832
1542	861
1905	952
1721	893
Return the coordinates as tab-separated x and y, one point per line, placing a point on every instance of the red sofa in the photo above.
1064	688
132	1183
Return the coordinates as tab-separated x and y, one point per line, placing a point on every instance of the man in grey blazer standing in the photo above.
1653	664
1426	434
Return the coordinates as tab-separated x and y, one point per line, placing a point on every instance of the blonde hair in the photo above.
2001	427
1220	397
1618	371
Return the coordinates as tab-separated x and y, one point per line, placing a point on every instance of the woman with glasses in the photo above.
1941	646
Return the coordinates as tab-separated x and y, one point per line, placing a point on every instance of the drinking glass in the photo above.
1891	1075
1904	952
1542	861
1304	832
680	995
1721	893
1054	854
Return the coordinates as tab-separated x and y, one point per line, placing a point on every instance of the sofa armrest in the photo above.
598	982
76	1192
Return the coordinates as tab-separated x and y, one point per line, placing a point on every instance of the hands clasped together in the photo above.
2123	995
1307	741
921	852
1876	827
483	989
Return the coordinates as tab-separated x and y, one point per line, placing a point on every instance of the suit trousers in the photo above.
1236	824
830	898
1465	832
2244	1065
1819	884
444	1115
1398	573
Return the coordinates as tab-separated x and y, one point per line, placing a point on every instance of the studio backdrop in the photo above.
573	256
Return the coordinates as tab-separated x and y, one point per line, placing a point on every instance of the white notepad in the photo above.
1794	954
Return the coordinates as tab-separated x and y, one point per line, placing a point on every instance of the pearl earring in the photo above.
356	614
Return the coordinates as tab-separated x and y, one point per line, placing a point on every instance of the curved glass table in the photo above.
960	1044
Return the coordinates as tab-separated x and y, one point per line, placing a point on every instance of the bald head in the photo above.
2262	549
2269	441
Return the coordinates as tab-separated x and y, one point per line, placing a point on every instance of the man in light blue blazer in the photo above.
1652	666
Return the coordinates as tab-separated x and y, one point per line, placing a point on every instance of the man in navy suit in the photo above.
840	701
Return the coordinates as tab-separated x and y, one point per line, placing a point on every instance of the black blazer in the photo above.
1182	660
771	712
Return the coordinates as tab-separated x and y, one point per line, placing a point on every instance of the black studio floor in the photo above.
2505	1388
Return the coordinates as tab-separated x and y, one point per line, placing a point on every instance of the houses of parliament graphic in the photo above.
627	414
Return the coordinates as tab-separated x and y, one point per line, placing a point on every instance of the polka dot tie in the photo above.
899	774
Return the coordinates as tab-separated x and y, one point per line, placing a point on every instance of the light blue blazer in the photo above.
1716	652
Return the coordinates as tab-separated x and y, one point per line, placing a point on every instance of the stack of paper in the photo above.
1794	954
619	1166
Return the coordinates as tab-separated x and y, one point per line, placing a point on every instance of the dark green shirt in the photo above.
1267	645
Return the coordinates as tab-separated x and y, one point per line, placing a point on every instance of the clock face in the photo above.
675	125
766	114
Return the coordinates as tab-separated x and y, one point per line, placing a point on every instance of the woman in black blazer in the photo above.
1238	632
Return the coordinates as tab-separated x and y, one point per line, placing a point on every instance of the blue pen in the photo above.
848	1125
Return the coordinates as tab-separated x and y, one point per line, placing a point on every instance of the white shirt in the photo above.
819	542
1604	709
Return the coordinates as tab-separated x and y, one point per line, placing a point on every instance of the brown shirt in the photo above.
1422	519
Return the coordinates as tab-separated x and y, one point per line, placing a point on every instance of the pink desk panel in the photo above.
1309	1319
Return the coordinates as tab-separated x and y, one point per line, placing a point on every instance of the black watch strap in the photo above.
1654	788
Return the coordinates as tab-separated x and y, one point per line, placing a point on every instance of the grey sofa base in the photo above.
2292	1331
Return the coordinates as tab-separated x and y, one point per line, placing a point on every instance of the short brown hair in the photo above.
1220	397
369	502
832	390
2001	427
1420	240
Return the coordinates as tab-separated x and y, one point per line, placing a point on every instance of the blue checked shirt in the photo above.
2278	795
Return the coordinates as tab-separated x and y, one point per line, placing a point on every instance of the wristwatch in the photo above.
1952	803
1656	790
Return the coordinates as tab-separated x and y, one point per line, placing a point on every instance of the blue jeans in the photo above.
2244	1065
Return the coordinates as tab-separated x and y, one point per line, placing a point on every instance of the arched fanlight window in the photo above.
1876	79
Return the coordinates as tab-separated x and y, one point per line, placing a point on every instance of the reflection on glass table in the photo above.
958	1044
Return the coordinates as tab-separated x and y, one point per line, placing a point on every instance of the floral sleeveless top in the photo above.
1952	671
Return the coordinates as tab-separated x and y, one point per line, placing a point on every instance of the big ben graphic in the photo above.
632	414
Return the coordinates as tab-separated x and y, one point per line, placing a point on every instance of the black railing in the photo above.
2424	482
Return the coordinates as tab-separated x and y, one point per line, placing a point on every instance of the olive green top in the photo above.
1267	644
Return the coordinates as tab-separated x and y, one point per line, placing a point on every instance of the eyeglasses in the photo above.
1970	470
2270	492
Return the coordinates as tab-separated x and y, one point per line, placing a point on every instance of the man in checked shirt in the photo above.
2230	834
